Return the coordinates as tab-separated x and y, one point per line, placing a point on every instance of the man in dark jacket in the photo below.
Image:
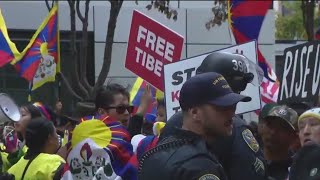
240	153
208	105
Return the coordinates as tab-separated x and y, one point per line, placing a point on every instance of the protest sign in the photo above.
151	45
301	73
176	74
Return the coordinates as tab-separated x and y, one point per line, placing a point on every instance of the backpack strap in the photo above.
28	164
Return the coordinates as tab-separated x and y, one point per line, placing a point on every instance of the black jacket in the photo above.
239	154
135	124
181	156
306	164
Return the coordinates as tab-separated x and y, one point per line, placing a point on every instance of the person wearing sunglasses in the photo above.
113	100
122	110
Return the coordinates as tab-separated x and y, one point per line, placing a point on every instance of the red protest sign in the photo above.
151	45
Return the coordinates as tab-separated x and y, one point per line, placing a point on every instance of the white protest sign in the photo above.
176	74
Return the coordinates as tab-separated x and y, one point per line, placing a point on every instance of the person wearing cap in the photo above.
239	154
262	115
278	133
306	161
208	105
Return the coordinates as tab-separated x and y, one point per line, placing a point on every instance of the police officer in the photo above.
208	105
239	154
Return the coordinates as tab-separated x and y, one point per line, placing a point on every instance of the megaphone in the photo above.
9	110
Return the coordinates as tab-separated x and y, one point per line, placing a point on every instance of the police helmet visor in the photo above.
255	73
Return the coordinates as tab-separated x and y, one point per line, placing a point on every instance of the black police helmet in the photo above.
232	66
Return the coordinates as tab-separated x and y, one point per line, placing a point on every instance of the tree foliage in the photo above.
294	25
290	26
219	13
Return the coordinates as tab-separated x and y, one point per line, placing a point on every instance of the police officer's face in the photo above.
276	134
309	131
217	121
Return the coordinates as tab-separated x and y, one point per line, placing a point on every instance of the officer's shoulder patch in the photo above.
209	177
250	140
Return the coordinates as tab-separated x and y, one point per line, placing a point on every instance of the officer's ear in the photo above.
194	113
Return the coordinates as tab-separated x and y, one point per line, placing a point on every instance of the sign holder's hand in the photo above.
146	100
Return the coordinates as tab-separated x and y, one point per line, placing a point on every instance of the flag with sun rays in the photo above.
100	148
8	50
40	60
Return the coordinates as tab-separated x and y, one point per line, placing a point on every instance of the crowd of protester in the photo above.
206	140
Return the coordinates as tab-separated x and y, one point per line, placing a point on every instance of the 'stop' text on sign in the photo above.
151	45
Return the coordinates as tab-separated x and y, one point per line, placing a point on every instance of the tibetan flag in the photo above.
100	147
8	50
137	91
245	19
40	60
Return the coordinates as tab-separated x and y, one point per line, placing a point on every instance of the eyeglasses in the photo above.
121	109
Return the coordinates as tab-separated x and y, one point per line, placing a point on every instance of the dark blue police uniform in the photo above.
239	154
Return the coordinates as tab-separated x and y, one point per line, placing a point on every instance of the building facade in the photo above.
26	16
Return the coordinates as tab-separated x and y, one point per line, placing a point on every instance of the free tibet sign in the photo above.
151	45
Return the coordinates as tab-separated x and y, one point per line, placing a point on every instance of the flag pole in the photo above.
29	91
58	69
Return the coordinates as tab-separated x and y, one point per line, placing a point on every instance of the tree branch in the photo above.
114	12
66	82
84	49
79	12
52	4
75	73
307	7
47	4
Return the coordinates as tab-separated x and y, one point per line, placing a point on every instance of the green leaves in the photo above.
163	6
290	26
